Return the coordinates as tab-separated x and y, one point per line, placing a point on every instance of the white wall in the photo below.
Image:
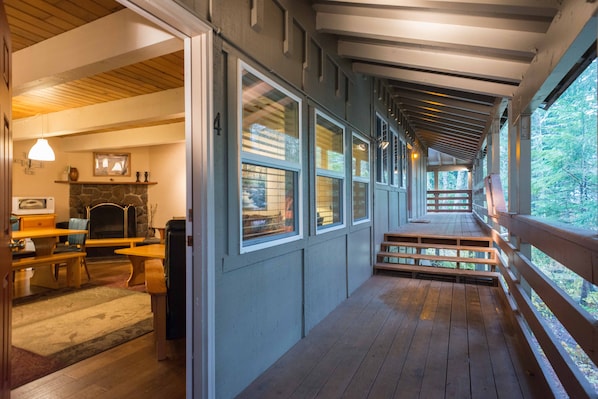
166	164
167	167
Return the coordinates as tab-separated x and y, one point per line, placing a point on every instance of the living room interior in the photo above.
112	85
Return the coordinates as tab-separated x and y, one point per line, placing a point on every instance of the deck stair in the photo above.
468	259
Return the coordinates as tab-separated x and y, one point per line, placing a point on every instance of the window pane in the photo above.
329	146
395	159
361	158
403	165
328	201
381	151
268	205
360	200
270	120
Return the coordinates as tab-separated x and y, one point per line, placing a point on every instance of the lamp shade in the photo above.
41	151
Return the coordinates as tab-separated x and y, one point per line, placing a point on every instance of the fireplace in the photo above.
109	220
85	195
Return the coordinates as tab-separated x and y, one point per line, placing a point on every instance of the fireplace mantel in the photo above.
106	182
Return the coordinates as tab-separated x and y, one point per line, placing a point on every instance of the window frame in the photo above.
403	164
360	179
244	157
341	176
382	160
394	158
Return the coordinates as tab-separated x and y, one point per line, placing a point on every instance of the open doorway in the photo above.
198	147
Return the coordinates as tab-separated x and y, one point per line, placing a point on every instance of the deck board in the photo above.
405	338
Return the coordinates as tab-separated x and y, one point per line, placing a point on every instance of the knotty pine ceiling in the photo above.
33	21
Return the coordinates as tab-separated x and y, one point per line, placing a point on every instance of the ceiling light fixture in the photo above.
41	150
382	144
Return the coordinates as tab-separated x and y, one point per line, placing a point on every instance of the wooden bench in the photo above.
114	242
72	259
155	284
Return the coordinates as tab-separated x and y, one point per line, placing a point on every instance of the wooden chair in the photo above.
74	243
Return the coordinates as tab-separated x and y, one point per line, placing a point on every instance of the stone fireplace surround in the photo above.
82	195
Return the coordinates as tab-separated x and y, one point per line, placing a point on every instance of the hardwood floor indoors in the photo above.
126	371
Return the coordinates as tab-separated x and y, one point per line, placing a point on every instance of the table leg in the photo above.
43	276
137	270
73	273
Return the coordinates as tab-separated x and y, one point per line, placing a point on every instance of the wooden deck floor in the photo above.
446	224
404	338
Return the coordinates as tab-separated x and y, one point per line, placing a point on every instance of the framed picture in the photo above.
111	164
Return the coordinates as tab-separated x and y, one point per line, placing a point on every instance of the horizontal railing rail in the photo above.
575	249
449	201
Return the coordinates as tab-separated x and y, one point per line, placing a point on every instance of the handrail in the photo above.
570	246
446	201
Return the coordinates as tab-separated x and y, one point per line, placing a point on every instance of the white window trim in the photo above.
385	122
359	179
252	158
332	174
395	159
403	164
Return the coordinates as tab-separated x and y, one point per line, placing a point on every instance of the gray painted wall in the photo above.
269	299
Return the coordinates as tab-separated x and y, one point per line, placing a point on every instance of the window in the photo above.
403	167
381	150
270	152
361	179
330	173
394	159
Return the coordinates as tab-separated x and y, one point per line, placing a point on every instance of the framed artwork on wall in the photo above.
111	164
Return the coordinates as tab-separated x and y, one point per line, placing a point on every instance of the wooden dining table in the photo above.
138	255
45	240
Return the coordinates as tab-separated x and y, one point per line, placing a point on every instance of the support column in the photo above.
520	199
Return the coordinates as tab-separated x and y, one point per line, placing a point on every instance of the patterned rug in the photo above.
54	332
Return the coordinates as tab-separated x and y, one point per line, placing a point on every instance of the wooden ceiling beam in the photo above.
117	40
545	8
164	105
442	29
435	60
435	79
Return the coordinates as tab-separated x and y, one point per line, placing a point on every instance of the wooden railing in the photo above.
575	249
449	201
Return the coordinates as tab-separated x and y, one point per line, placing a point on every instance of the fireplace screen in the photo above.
108	220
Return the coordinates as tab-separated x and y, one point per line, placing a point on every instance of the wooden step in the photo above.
474	241
460	259
458	275
406	244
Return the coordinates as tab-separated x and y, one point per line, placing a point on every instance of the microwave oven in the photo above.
32	205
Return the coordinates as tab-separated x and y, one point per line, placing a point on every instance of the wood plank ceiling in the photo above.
448	63
34	21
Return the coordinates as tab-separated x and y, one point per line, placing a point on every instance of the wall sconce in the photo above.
382	144
415	155
28	164
41	150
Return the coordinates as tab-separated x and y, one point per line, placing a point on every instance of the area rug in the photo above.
53	333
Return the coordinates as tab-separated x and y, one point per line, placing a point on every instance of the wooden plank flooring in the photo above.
405	338
127	371
446	224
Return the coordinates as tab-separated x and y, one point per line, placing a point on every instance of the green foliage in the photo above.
564	156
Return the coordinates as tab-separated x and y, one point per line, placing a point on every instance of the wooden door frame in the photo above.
6	287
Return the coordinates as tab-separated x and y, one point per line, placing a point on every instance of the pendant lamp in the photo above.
41	150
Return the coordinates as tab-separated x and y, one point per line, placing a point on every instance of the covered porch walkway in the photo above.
409	338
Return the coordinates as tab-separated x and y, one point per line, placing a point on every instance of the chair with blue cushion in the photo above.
74	243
